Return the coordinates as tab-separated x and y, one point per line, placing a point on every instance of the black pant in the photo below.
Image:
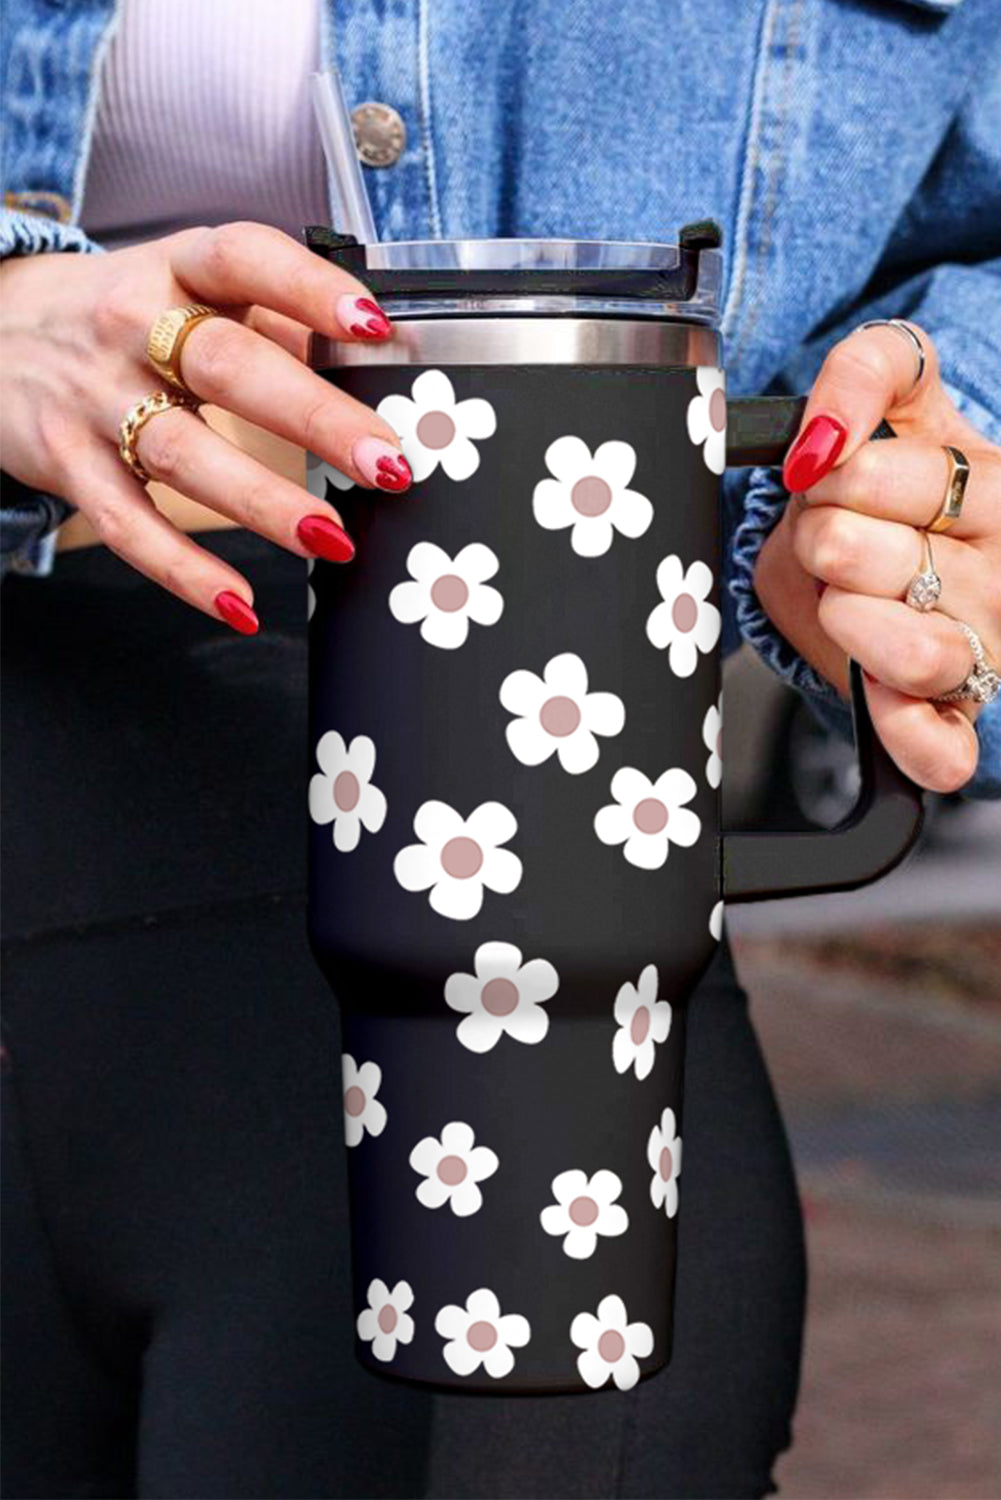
178	1317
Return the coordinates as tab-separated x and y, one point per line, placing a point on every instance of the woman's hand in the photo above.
834	574
75	329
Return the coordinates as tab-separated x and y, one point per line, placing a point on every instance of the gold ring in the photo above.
167	338
135	420
955	490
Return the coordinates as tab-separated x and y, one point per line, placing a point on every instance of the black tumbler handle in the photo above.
886	819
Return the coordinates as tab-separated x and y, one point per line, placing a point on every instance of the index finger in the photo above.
867	375
244	263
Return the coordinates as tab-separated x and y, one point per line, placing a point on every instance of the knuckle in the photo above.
300	284
173	576
924	665
109	519
257	503
160	446
115	316
836	546
315	424
867	470
214	356
57	437
951	765
224	251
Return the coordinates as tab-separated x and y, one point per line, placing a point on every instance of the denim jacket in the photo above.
851	150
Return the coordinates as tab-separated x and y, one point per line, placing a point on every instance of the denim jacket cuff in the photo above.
24	233
28	518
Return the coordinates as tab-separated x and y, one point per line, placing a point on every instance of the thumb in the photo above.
865	377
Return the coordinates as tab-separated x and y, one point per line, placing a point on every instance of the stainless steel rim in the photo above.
527	341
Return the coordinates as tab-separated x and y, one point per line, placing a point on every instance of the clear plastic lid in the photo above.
596	278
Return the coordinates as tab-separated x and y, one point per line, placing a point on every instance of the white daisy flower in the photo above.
310	591
644	1021
611	1345
712	738
318	473
558	714
716	921
707	417
663	1152
585	1207
479	1334
647	816
362	1110
445	593
385	1322
458	856
685	621
452	1167
502	996
591	494
341	792
434	428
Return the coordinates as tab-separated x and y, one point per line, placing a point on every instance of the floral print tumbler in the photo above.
516	867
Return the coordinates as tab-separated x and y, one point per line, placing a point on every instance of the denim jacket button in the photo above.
380	134
40	201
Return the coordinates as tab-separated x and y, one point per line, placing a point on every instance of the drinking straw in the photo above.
337	136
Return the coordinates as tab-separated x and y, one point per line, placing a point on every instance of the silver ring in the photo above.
981	684
925	588
908	333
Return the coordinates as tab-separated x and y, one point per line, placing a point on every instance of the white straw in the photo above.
354	209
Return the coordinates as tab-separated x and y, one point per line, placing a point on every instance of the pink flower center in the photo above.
666	1164
435	429
346	791
611	1346
449	593
499	996
461	858
481	1337
650	815
684	612
354	1100
640	1025
717	410
559	716
452	1170
583	1211
388	1318
591	496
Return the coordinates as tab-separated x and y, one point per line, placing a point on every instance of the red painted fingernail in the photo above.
324	538
382	464
237	612
363	317
814	453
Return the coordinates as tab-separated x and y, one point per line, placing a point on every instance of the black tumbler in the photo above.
516	865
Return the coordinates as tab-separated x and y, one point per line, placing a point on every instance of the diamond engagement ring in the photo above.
925	588
981	684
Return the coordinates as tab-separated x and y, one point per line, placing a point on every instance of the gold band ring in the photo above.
135	420
955	490
167	338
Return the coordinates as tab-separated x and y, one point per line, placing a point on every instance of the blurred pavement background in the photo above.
880	1016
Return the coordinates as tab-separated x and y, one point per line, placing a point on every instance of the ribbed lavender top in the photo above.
204	116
